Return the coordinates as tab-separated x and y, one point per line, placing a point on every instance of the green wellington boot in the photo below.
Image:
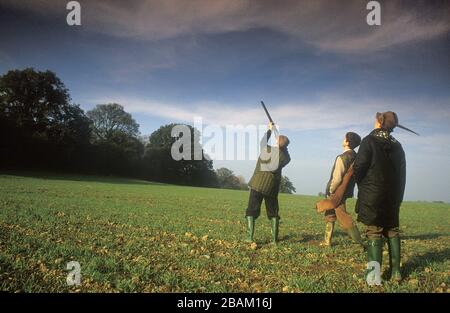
275	229
250	228
374	253
356	236
329	228
394	258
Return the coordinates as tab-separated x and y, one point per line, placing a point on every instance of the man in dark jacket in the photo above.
380	172
340	168
265	183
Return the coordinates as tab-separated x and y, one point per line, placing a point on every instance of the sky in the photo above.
319	67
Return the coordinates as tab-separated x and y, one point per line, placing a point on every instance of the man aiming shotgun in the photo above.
266	179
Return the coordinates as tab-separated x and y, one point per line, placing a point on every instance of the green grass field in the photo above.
135	236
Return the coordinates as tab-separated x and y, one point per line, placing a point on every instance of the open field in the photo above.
135	236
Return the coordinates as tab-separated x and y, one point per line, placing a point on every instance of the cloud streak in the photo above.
403	29
327	112
333	26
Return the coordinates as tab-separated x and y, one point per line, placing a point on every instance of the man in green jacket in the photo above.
265	183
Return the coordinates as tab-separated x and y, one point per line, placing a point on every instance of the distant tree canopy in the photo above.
159	163
33	98
286	185
162	137
110	121
40	128
115	138
227	179
39	125
39	104
242	183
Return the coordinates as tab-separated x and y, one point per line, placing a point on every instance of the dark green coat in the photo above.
267	180
380	172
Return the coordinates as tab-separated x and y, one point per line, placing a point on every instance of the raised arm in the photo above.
265	138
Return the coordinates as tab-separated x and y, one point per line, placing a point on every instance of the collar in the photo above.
382	133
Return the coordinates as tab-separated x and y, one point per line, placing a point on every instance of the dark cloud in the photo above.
337	26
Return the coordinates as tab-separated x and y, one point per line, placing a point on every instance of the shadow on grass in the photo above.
301	238
419	262
79	177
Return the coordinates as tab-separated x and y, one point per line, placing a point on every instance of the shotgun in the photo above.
270	118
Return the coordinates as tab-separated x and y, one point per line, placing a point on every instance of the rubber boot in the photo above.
374	253
356	236
250	228
275	221
394	258
329	228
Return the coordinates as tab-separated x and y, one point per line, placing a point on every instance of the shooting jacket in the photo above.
380	172
266	178
340	167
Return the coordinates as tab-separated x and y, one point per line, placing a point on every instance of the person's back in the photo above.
266	179
381	185
380	172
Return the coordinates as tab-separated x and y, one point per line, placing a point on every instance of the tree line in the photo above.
42	129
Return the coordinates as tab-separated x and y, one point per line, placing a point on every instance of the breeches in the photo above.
376	232
340	214
254	205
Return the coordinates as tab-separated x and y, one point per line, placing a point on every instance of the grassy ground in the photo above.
137	236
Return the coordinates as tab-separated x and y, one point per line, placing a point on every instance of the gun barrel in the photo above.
270	119
267	112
